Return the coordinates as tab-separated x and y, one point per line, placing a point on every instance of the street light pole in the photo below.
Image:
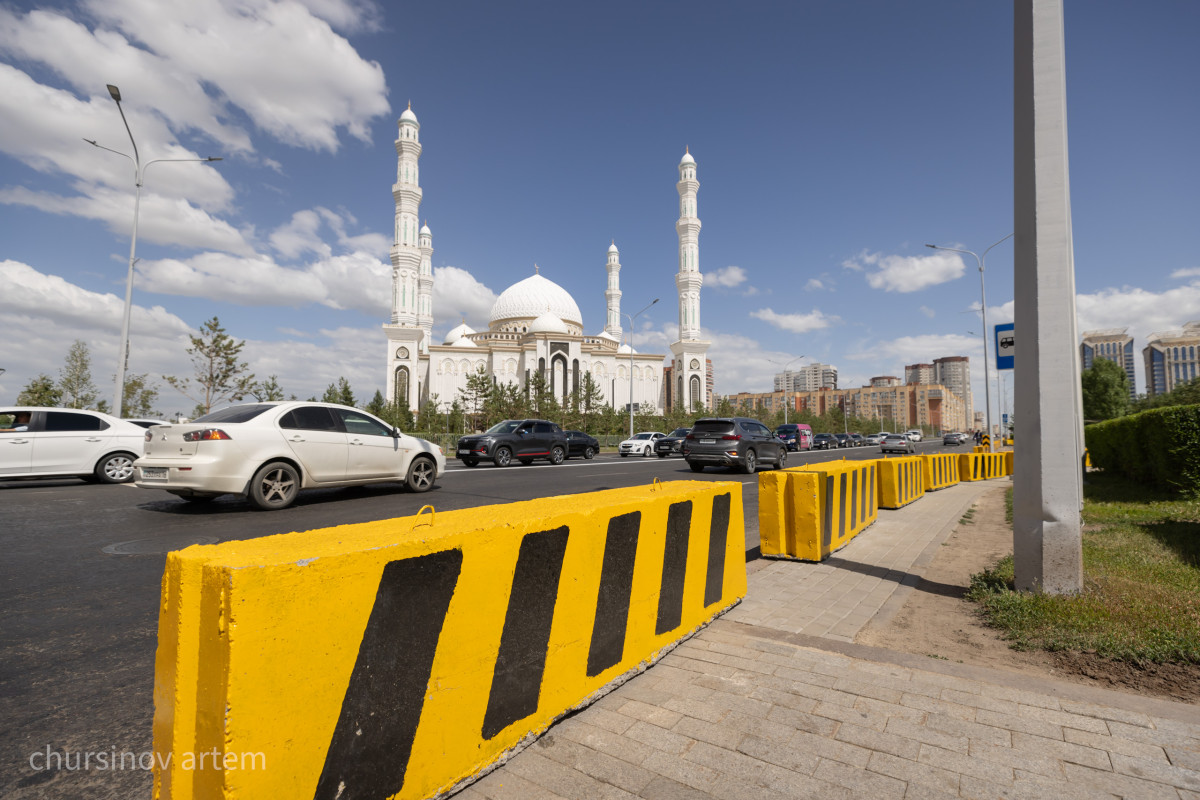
631	318
987	383
139	172
785	366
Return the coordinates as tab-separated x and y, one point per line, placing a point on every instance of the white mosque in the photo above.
535	326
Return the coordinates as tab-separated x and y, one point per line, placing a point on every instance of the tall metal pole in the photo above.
987	382
631	318
139	171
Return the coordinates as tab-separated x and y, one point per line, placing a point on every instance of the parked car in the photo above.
268	452
824	441
897	443
640	444
843	440
737	442
522	439
953	439
796	435
858	440
914	435
582	444
40	442
875	438
672	443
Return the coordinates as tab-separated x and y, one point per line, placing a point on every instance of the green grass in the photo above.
1141	596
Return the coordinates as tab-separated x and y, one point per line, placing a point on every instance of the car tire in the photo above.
421	474
503	457
589	453
557	456
470	462
623	455
274	486
782	460
646	451
696	467
750	462
115	468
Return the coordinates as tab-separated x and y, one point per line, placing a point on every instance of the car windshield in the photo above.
681	432
643	436
508	426
235	413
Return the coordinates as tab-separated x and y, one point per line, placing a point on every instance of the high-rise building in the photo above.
807	378
880	381
919	373
896	407
1171	358
1113	344
954	372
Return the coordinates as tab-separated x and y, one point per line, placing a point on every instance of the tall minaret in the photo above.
425	286
613	292
410	251
690	370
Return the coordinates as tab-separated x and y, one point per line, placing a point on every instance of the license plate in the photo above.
154	473
464	449
708	441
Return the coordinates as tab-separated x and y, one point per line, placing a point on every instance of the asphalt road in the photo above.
79	590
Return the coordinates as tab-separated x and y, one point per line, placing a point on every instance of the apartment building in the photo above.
1113	344
897	407
1170	358
807	378
954	372
919	373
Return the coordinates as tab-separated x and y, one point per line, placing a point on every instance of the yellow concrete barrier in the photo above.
939	471
808	512
982	466
1008	462
401	658
901	481
980	449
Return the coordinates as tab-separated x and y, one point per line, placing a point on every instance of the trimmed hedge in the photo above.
1159	447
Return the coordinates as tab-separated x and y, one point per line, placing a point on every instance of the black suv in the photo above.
672	442
522	439
736	442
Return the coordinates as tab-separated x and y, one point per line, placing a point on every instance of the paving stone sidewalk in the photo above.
774	700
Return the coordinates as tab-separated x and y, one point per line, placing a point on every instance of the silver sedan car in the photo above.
268	452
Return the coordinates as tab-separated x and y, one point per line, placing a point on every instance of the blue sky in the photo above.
832	141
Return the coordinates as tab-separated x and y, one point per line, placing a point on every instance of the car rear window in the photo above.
235	413
721	426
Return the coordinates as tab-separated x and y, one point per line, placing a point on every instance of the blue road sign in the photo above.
1005	346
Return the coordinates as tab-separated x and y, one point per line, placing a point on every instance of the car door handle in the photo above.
18	441
355	441
296	438
93	439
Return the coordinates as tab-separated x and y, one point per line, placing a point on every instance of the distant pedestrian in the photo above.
978	437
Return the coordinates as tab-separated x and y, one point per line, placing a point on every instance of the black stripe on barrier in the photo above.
863	500
714	582
371	744
517	680
674	569
874	496
853	498
827	523
612	599
842	507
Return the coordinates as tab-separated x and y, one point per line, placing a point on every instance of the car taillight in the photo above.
731	436
149	436
690	436
206	435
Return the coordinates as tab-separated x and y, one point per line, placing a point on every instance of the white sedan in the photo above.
268	452
44	442
642	444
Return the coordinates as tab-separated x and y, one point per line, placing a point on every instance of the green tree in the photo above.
140	396
75	378
376	405
339	393
397	415
475	396
219	375
429	417
268	391
41	391
1105	390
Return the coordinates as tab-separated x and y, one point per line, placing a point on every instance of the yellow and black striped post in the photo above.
901	481
808	512
401	658
939	470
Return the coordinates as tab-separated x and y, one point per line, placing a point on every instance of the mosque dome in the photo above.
463	342
409	116
548	323
458	332
626	350
687	159
533	297
426	232
606	335
612	248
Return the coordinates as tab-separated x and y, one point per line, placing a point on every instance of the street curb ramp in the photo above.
806	513
901	481
940	471
983	466
407	657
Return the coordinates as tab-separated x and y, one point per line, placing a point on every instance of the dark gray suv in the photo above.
515	439
737	442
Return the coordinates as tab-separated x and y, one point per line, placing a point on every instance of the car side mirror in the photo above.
395	433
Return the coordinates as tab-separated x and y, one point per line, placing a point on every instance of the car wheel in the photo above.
696	467
503	457
589	453
782	459
115	468
646	451
556	456
274	486
470	462
421	473
750	462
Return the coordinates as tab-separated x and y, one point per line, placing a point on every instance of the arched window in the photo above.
694	392
401	397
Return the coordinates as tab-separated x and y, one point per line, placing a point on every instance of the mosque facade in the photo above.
535	327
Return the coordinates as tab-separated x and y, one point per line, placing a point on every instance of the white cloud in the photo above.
927	311
301	234
725	277
814	285
457	295
1189	272
795	323
894	273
